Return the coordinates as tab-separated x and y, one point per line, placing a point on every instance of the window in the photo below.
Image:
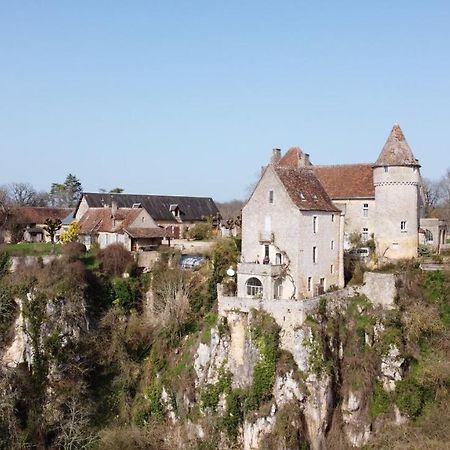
270	196
331	268
315	219
266	259
365	234
403	226
278	259
309	284
254	287
386	168
428	236
332	245
365	211
314	254
332	217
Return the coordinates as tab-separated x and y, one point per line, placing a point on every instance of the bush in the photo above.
73	250
116	259
126	293
5	262
200	232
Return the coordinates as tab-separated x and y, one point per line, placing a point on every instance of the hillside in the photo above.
94	360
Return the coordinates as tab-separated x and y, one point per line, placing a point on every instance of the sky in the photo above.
189	97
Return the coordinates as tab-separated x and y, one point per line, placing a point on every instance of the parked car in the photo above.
191	261
361	252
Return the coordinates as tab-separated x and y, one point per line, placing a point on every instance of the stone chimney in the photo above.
276	156
113	207
304	160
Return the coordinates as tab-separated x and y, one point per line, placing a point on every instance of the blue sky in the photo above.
189	97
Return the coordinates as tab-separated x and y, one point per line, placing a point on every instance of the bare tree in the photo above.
172	289
74	432
432	192
23	194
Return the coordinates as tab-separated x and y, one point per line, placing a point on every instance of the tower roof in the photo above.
396	151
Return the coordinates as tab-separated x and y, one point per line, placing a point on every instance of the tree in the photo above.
432	192
66	194
22	194
71	234
116	259
51	227
116	190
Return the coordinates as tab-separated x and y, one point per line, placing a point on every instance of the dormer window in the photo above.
136	205
175	210
314	196
302	197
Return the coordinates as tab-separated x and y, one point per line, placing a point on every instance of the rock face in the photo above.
355	427
19	351
391	368
318	408
254	432
69	318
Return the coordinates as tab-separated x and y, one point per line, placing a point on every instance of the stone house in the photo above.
291	236
27	223
134	228
175	213
383	200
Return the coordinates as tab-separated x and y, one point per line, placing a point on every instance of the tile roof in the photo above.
97	220
346	181
294	157
396	151
158	206
305	189
147	232
38	215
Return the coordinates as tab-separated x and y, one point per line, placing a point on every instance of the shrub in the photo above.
116	259
380	401
200	232
71	234
126	293
265	334
73	250
410	397
5	262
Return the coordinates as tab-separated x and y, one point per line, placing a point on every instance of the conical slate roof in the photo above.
396	151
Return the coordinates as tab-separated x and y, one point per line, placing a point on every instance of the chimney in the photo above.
113	206
304	160
276	156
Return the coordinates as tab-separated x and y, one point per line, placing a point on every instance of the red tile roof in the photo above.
38	215
305	189
346	181
97	220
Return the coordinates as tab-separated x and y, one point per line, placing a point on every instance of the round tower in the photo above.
396	179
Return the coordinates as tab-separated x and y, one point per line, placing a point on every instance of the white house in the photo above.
291	236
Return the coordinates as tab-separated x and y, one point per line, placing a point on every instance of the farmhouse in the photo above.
131	227
175	213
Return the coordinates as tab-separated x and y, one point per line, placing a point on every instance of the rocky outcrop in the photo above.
391	368
356	427
255	431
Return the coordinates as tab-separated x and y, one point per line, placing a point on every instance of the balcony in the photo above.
272	270
266	237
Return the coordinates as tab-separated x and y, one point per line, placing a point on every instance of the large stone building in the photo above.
291	236
300	218
381	200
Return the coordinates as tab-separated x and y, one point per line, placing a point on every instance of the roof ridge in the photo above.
341	165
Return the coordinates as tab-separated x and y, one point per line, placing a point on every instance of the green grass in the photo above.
30	249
